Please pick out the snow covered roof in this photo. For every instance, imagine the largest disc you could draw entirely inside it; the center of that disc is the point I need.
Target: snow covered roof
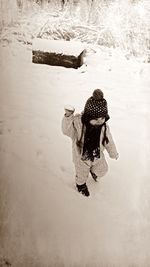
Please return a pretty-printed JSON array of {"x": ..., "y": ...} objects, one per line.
[{"x": 58, "y": 46}]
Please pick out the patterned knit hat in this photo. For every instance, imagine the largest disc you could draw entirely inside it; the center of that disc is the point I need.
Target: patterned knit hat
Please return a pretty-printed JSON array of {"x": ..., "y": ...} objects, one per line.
[{"x": 95, "y": 107}]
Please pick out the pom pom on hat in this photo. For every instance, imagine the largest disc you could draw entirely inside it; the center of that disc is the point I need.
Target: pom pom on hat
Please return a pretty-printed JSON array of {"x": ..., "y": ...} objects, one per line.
[{"x": 98, "y": 94}]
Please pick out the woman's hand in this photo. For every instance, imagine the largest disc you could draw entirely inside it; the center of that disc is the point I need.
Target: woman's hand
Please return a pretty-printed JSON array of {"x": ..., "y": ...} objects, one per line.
[
  {"x": 69, "y": 110},
  {"x": 117, "y": 156}
]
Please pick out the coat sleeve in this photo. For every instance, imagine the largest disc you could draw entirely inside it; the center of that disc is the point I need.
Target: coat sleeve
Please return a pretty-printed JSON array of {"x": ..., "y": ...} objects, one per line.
[
  {"x": 68, "y": 126},
  {"x": 111, "y": 147}
]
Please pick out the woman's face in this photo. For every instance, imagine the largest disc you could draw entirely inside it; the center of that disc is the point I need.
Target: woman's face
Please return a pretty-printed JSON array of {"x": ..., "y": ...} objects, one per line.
[{"x": 98, "y": 121}]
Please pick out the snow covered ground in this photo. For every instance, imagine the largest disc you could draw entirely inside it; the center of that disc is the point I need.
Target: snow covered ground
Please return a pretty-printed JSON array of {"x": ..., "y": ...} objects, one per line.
[{"x": 44, "y": 221}]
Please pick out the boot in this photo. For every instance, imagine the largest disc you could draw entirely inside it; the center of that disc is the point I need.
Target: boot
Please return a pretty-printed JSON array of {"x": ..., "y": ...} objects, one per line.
[{"x": 83, "y": 189}]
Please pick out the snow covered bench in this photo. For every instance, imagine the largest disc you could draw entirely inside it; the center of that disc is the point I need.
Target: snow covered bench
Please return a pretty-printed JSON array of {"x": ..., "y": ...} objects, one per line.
[{"x": 58, "y": 53}]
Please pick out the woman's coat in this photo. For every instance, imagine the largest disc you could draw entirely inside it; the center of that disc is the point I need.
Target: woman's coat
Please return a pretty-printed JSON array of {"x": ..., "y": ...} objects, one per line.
[{"x": 72, "y": 127}]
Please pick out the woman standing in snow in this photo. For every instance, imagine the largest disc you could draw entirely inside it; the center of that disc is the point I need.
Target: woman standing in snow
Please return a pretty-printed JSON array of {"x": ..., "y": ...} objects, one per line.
[{"x": 90, "y": 135}]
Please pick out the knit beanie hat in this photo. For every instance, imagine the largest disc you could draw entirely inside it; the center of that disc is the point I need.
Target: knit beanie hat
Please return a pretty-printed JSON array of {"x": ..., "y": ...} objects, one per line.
[{"x": 95, "y": 107}]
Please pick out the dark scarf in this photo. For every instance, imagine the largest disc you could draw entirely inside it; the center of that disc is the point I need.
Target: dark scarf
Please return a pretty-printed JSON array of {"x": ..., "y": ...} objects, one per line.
[{"x": 91, "y": 146}]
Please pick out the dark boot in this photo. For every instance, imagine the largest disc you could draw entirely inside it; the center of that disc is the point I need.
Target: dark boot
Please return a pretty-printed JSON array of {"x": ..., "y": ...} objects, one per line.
[
  {"x": 94, "y": 176},
  {"x": 83, "y": 189}
]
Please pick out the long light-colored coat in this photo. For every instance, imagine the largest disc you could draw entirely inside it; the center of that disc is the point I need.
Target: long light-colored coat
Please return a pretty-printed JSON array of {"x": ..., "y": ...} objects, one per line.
[{"x": 72, "y": 127}]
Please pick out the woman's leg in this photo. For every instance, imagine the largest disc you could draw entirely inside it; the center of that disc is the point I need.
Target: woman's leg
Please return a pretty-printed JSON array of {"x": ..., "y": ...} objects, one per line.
[
  {"x": 82, "y": 169},
  {"x": 99, "y": 167}
]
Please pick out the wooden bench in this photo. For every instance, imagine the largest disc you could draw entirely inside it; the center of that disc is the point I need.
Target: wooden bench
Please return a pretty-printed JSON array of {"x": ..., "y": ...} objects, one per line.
[{"x": 69, "y": 54}]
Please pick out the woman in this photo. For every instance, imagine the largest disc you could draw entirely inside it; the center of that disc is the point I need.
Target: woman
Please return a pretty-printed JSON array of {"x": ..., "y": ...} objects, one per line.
[{"x": 90, "y": 136}]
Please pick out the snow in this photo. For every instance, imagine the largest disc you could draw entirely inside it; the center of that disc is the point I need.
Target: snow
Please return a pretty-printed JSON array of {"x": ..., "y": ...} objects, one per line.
[
  {"x": 45, "y": 221},
  {"x": 58, "y": 46},
  {"x": 70, "y": 108}
]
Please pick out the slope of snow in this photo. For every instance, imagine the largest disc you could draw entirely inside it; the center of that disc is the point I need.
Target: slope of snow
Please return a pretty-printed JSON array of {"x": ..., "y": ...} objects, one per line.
[{"x": 45, "y": 221}]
